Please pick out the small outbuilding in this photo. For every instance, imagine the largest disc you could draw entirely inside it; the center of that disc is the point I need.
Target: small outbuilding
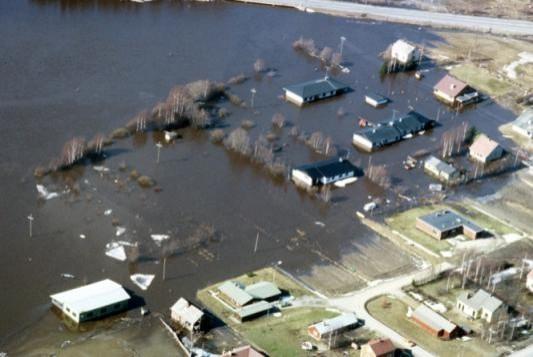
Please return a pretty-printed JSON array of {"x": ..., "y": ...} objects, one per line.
[
  {"x": 440, "y": 169},
  {"x": 376, "y": 100},
  {"x": 523, "y": 124},
  {"x": 263, "y": 290},
  {"x": 332, "y": 326},
  {"x": 405, "y": 52},
  {"x": 453, "y": 91},
  {"x": 382, "y": 347},
  {"x": 434, "y": 323},
  {"x": 255, "y": 310},
  {"x": 323, "y": 172},
  {"x": 187, "y": 315},
  {"x": 484, "y": 149},
  {"x": 234, "y": 293},
  {"x": 443, "y": 224},
  {"x": 93, "y": 301},
  {"x": 480, "y": 305},
  {"x": 311, "y": 91}
]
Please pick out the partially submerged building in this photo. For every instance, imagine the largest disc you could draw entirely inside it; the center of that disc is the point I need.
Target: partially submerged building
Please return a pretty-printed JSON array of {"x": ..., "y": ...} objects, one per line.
[
  {"x": 445, "y": 223},
  {"x": 480, "y": 305},
  {"x": 382, "y": 347},
  {"x": 93, "y": 301},
  {"x": 434, "y": 323},
  {"x": 405, "y": 53},
  {"x": 263, "y": 290},
  {"x": 484, "y": 149},
  {"x": 332, "y": 326},
  {"x": 382, "y": 134},
  {"x": 187, "y": 315},
  {"x": 323, "y": 172},
  {"x": 440, "y": 169},
  {"x": 523, "y": 125},
  {"x": 311, "y": 91},
  {"x": 376, "y": 100},
  {"x": 234, "y": 293},
  {"x": 453, "y": 91}
]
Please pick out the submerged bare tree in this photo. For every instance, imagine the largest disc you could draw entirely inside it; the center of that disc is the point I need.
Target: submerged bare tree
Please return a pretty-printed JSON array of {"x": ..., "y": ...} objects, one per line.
[
  {"x": 260, "y": 65},
  {"x": 239, "y": 141},
  {"x": 379, "y": 175},
  {"x": 73, "y": 150},
  {"x": 305, "y": 45},
  {"x": 278, "y": 120},
  {"x": 325, "y": 54}
]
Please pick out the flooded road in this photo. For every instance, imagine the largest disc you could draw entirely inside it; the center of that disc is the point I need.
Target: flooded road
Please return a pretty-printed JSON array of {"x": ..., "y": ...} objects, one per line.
[{"x": 77, "y": 68}]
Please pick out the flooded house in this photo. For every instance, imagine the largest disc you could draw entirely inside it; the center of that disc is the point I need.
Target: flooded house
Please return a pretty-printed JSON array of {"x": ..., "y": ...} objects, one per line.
[
  {"x": 434, "y": 323},
  {"x": 523, "y": 124},
  {"x": 323, "y": 172},
  {"x": 93, "y": 301},
  {"x": 480, "y": 305},
  {"x": 440, "y": 169},
  {"x": 376, "y": 100},
  {"x": 405, "y": 53},
  {"x": 311, "y": 91},
  {"x": 335, "y": 325},
  {"x": 453, "y": 91},
  {"x": 382, "y": 347},
  {"x": 484, "y": 149},
  {"x": 445, "y": 223},
  {"x": 392, "y": 131},
  {"x": 187, "y": 315}
]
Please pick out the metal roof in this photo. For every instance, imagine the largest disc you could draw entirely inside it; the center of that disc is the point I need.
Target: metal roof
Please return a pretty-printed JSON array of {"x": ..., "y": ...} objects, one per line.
[
  {"x": 480, "y": 300},
  {"x": 433, "y": 319},
  {"x": 445, "y": 220},
  {"x": 92, "y": 296},
  {"x": 316, "y": 87},
  {"x": 439, "y": 165},
  {"x": 235, "y": 292},
  {"x": 255, "y": 308},
  {"x": 327, "y": 168},
  {"x": 263, "y": 290},
  {"x": 336, "y": 323},
  {"x": 403, "y": 46},
  {"x": 187, "y": 311}
]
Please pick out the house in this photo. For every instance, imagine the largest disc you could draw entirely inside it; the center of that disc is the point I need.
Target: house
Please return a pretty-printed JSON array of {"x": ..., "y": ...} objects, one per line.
[
  {"x": 323, "y": 172},
  {"x": 244, "y": 351},
  {"x": 234, "y": 293},
  {"x": 311, "y": 91},
  {"x": 484, "y": 149},
  {"x": 382, "y": 347},
  {"x": 434, "y": 323},
  {"x": 440, "y": 169},
  {"x": 523, "y": 125},
  {"x": 452, "y": 91},
  {"x": 333, "y": 326},
  {"x": 404, "y": 52},
  {"x": 382, "y": 134},
  {"x": 187, "y": 315},
  {"x": 376, "y": 100},
  {"x": 252, "y": 311},
  {"x": 263, "y": 290},
  {"x": 479, "y": 305},
  {"x": 443, "y": 224},
  {"x": 92, "y": 301},
  {"x": 529, "y": 281}
]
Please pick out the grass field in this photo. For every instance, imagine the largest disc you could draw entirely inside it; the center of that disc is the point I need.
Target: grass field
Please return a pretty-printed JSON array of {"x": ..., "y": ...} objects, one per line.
[{"x": 394, "y": 316}]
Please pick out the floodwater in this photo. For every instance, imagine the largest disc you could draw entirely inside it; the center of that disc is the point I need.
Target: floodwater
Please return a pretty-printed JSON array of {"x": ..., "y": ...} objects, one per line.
[{"x": 77, "y": 68}]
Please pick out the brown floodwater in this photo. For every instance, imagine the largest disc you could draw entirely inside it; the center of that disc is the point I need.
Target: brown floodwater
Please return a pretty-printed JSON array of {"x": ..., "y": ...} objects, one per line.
[{"x": 77, "y": 68}]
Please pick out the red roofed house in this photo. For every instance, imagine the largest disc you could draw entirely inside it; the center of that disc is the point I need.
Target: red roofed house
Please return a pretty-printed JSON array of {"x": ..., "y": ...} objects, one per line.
[
  {"x": 453, "y": 91},
  {"x": 378, "y": 348},
  {"x": 485, "y": 149},
  {"x": 244, "y": 351}
]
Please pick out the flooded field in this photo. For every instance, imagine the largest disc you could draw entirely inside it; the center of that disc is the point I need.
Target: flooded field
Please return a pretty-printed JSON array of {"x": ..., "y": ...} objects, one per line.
[{"x": 77, "y": 68}]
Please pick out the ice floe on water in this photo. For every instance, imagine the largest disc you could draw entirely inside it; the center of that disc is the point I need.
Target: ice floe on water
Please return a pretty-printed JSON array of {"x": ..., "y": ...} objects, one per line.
[
  {"x": 117, "y": 251},
  {"x": 120, "y": 231},
  {"x": 158, "y": 238},
  {"x": 143, "y": 281},
  {"x": 45, "y": 194}
]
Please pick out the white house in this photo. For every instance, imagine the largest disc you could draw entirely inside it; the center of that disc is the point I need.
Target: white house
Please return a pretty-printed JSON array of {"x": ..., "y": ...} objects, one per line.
[
  {"x": 326, "y": 328},
  {"x": 187, "y": 315},
  {"x": 523, "y": 125},
  {"x": 479, "y": 305},
  {"x": 484, "y": 149},
  {"x": 439, "y": 169},
  {"x": 404, "y": 52},
  {"x": 92, "y": 301}
]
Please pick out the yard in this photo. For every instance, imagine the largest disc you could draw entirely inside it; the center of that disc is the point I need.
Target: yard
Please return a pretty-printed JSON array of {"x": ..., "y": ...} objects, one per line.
[{"x": 392, "y": 312}]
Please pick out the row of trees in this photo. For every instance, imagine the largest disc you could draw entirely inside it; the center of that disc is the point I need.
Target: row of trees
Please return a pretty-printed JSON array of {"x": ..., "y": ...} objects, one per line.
[{"x": 326, "y": 55}]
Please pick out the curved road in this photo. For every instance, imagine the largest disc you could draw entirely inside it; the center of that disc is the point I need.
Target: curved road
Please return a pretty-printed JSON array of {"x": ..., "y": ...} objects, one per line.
[{"x": 420, "y": 17}]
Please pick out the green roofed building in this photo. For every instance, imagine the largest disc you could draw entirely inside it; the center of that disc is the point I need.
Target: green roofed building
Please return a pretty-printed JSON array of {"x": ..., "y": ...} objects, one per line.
[
  {"x": 314, "y": 90},
  {"x": 234, "y": 293},
  {"x": 254, "y": 310},
  {"x": 263, "y": 290}
]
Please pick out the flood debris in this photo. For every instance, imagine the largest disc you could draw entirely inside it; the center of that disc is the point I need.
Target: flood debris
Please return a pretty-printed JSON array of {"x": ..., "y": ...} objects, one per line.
[
  {"x": 45, "y": 194},
  {"x": 120, "y": 231},
  {"x": 320, "y": 224},
  {"x": 116, "y": 251},
  {"x": 82, "y": 236},
  {"x": 143, "y": 281},
  {"x": 67, "y": 276},
  {"x": 145, "y": 181},
  {"x": 158, "y": 238},
  {"x": 370, "y": 206},
  {"x": 170, "y": 135},
  {"x": 101, "y": 169},
  {"x": 108, "y": 212}
]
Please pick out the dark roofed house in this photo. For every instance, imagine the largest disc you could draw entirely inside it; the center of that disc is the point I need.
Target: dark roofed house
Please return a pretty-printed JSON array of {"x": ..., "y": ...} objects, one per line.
[
  {"x": 314, "y": 90},
  {"x": 454, "y": 91},
  {"x": 323, "y": 172},
  {"x": 390, "y": 132},
  {"x": 434, "y": 323},
  {"x": 445, "y": 223}
]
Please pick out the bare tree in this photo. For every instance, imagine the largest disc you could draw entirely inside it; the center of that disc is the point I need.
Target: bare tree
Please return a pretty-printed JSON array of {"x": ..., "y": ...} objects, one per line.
[
  {"x": 73, "y": 150},
  {"x": 325, "y": 54},
  {"x": 379, "y": 175},
  {"x": 239, "y": 141},
  {"x": 336, "y": 59},
  {"x": 259, "y": 65},
  {"x": 278, "y": 120},
  {"x": 305, "y": 45}
]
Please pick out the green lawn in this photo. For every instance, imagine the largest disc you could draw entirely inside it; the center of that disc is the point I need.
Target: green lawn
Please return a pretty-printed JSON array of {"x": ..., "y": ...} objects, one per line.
[
  {"x": 482, "y": 79},
  {"x": 482, "y": 220},
  {"x": 394, "y": 316}
]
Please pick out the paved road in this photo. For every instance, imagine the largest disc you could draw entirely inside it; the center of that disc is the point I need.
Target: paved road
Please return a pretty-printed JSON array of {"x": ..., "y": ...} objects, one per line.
[{"x": 437, "y": 19}]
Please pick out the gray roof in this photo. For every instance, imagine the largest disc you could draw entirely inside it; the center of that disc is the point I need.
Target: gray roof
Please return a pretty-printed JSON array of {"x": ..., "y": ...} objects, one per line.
[
  {"x": 433, "y": 319},
  {"x": 336, "y": 323},
  {"x": 263, "y": 290},
  {"x": 255, "y": 308},
  {"x": 440, "y": 165},
  {"x": 235, "y": 292},
  {"x": 525, "y": 120},
  {"x": 480, "y": 300},
  {"x": 445, "y": 220},
  {"x": 316, "y": 87}
]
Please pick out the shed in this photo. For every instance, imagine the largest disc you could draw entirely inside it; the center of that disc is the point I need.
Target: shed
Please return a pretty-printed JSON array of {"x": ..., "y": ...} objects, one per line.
[
  {"x": 254, "y": 310},
  {"x": 454, "y": 91},
  {"x": 445, "y": 223},
  {"x": 382, "y": 347},
  {"x": 92, "y": 301},
  {"x": 376, "y": 100},
  {"x": 235, "y": 294},
  {"x": 332, "y": 326},
  {"x": 434, "y": 323},
  {"x": 263, "y": 290},
  {"x": 484, "y": 149},
  {"x": 323, "y": 172},
  {"x": 187, "y": 315},
  {"x": 479, "y": 305},
  {"x": 440, "y": 169},
  {"x": 404, "y": 52},
  {"x": 311, "y": 91}
]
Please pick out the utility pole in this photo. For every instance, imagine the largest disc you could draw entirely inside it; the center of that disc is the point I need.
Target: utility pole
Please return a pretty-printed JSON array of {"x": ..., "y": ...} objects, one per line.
[
  {"x": 342, "y": 43},
  {"x": 253, "y": 91},
  {"x": 158, "y": 145},
  {"x": 164, "y": 268},
  {"x": 256, "y": 242},
  {"x": 30, "y": 221}
]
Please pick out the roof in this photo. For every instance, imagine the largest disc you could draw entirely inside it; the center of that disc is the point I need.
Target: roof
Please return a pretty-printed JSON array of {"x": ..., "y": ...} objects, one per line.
[
  {"x": 336, "y": 323},
  {"x": 263, "y": 290},
  {"x": 451, "y": 86},
  {"x": 255, "y": 308},
  {"x": 327, "y": 168},
  {"x": 525, "y": 120},
  {"x": 316, "y": 87},
  {"x": 235, "y": 292},
  {"x": 483, "y": 146},
  {"x": 244, "y": 351},
  {"x": 480, "y": 300},
  {"x": 187, "y": 311},
  {"x": 93, "y": 296},
  {"x": 445, "y": 220},
  {"x": 403, "y": 46},
  {"x": 433, "y": 319},
  {"x": 439, "y": 165},
  {"x": 381, "y": 346}
]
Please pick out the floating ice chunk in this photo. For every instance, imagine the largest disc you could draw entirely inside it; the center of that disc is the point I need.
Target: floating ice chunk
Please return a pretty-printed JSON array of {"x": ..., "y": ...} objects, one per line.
[
  {"x": 143, "y": 281},
  {"x": 67, "y": 275},
  {"x": 82, "y": 236},
  {"x": 107, "y": 212},
  {"x": 170, "y": 135},
  {"x": 369, "y": 206},
  {"x": 347, "y": 181},
  {"x": 44, "y": 193},
  {"x": 116, "y": 251},
  {"x": 101, "y": 169},
  {"x": 320, "y": 224},
  {"x": 158, "y": 238},
  {"x": 120, "y": 231}
]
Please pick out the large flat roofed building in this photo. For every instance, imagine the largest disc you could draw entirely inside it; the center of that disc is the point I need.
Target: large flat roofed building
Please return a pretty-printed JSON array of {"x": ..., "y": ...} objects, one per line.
[
  {"x": 314, "y": 90},
  {"x": 434, "y": 323},
  {"x": 92, "y": 301},
  {"x": 323, "y": 172},
  {"x": 445, "y": 223}
]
